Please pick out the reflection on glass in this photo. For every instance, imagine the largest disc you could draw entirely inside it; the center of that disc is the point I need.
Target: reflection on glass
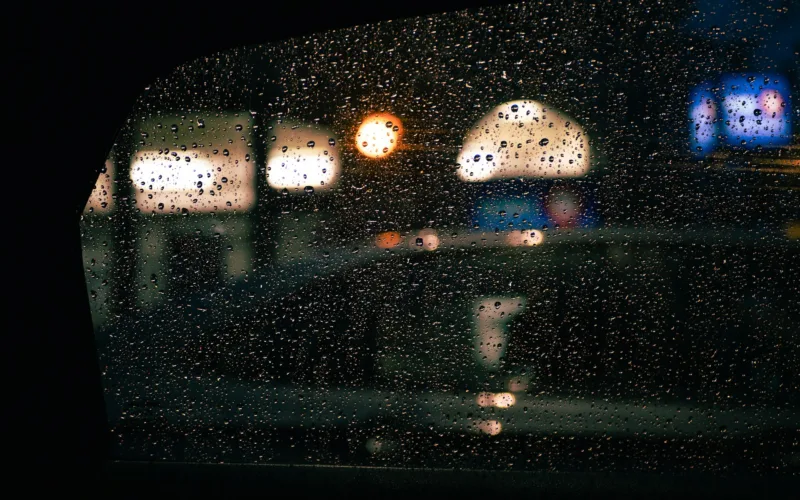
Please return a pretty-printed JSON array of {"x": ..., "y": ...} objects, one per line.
[
  {"x": 492, "y": 315},
  {"x": 302, "y": 155},
  {"x": 524, "y": 139}
]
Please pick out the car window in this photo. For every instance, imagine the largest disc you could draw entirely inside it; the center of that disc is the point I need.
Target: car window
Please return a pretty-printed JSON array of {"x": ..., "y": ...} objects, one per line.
[{"x": 528, "y": 237}]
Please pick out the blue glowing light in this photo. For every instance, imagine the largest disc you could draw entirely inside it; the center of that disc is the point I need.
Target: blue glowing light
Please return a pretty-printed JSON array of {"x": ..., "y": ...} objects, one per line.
[
  {"x": 535, "y": 207},
  {"x": 742, "y": 112}
]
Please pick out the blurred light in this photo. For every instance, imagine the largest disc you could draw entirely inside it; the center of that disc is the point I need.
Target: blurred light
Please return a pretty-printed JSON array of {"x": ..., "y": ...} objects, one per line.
[
  {"x": 518, "y": 384},
  {"x": 102, "y": 198},
  {"x": 172, "y": 173},
  {"x": 563, "y": 205},
  {"x": 302, "y": 155},
  {"x": 756, "y": 110},
  {"x": 703, "y": 119},
  {"x": 426, "y": 239},
  {"x": 379, "y": 135},
  {"x": 211, "y": 169},
  {"x": 520, "y": 207},
  {"x": 504, "y": 400},
  {"x": 388, "y": 239},
  {"x": 492, "y": 315},
  {"x": 524, "y": 139},
  {"x": 742, "y": 111},
  {"x": 485, "y": 399},
  {"x": 498, "y": 400},
  {"x": 525, "y": 237},
  {"x": 490, "y": 427}
]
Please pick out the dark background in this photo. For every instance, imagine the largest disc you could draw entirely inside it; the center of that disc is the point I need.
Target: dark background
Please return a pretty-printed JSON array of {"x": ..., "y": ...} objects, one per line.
[{"x": 75, "y": 73}]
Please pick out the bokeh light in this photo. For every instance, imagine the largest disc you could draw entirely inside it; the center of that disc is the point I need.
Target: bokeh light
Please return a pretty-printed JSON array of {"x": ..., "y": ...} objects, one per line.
[
  {"x": 378, "y": 135},
  {"x": 302, "y": 156},
  {"x": 524, "y": 139}
]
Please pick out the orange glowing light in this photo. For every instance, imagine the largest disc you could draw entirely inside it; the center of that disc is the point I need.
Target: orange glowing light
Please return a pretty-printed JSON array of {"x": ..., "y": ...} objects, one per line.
[
  {"x": 389, "y": 239},
  {"x": 378, "y": 135}
]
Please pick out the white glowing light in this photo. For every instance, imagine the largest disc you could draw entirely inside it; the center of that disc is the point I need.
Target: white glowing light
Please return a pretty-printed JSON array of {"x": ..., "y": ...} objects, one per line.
[
  {"x": 301, "y": 156},
  {"x": 524, "y": 139},
  {"x": 498, "y": 400},
  {"x": 172, "y": 173},
  {"x": 525, "y": 237},
  {"x": 379, "y": 135},
  {"x": 209, "y": 170},
  {"x": 504, "y": 400},
  {"x": 427, "y": 239}
]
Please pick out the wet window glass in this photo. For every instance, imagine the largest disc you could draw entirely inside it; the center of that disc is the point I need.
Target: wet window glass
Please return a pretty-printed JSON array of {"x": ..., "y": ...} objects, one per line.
[{"x": 529, "y": 237}]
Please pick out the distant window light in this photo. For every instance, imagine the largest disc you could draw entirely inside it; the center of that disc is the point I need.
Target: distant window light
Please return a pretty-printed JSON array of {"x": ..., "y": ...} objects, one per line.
[
  {"x": 210, "y": 170},
  {"x": 524, "y": 139},
  {"x": 301, "y": 156},
  {"x": 742, "y": 112}
]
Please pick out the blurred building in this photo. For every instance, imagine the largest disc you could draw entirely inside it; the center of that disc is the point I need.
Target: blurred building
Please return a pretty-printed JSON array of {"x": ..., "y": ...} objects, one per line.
[{"x": 193, "y": 180}]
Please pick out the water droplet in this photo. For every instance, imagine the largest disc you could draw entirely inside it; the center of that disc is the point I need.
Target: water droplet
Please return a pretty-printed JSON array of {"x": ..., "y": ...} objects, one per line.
[
  {"x": 311, "y": 144},
  {"x": 544, "y": 142},
  {"x": 514, "y": 108}
]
